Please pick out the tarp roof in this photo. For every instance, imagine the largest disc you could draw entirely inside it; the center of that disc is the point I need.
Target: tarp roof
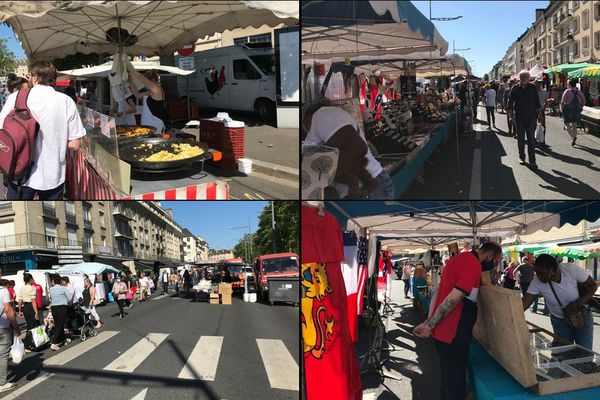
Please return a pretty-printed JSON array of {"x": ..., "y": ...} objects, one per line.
[
  {"x": 48, "y": 29},
  {"x": 453, "y": 64},
  {"x": 377, "y": 29},
  {"x": 102, "y": 71},
  {"x": 448, "y": 218}
]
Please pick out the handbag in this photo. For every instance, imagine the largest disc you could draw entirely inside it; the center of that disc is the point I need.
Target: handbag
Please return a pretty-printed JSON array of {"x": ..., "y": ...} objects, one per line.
[
  {"x": 539, "y": 133},
  {"x": 39, "y": 337},
  {"x": 575, "y": 319},
  {"x": 17, "y": 350},
  {"x": 129, "y": 296}
]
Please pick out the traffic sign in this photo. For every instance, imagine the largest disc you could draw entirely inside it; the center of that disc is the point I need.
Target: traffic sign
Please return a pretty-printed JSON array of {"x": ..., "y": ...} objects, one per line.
[
  {"x": 187, "y": 50},
  {"x": 186, "y": 63}
]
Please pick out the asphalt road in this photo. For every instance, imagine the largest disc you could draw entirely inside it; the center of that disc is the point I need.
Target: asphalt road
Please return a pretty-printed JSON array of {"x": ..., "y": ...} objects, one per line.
[
  {"x": 487, "y": 166},
  {"x": 172, "y": 349}
]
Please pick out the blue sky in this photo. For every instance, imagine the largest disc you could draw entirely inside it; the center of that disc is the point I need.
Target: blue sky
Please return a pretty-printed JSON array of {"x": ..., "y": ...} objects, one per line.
[
  {"x": 487, "y": 27},
  {"x": 210, "y": 219},
  {"x": 13, "y": 44}
]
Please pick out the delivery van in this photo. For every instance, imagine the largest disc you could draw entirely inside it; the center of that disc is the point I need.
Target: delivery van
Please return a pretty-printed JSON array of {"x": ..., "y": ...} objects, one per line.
[
  {"x": 40, "y": 276},
  {"x": 273, "y": 265},
  {"x": 237, "y": 78}
]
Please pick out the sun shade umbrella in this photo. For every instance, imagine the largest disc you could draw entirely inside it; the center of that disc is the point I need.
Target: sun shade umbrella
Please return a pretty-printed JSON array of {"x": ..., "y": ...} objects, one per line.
[
  {"x": 49, "y": 29},
  {"x": 586, "y": 72},
  {"x": 86, "y": 268},
  {"x": 102, "y": 71},
  {"x": 378, "y": 29}
]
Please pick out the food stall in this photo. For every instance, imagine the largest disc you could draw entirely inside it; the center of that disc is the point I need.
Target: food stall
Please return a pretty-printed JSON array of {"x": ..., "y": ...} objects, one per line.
[{"x": 590, "y": 115}]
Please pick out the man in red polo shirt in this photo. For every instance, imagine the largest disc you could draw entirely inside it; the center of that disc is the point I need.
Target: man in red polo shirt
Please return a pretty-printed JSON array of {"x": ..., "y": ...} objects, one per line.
[
  {"x": 454, "y": 313},
  {"x": 38, "y": 300}
]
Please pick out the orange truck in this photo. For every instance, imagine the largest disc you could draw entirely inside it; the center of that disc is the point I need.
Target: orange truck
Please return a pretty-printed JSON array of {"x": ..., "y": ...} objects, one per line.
[{"x": 274, "y": 266}]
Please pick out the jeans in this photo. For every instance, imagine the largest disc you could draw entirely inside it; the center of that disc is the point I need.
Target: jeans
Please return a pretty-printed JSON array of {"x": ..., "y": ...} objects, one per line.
[
  {"x": 385, "y": 191},
  {"x": 524, "y": 287},
  {"x": 120, "y": 303},
  {"x": 526, "y": 128},
  {"x": 583, "y": 337},
  {"x": 165, "y": 287},
  {"x": 6, "y": 339},
  {"x": 28, "y": 193},
  {"x": 490, "y": 112},
  {"x": 454, "y": 357},
  {"x": 406, "y": 286},
  {"x": 92, "y": 311}
]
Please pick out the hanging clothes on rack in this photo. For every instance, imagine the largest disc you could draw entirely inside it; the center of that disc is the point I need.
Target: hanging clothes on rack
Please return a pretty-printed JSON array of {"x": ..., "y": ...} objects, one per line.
[{"x": 330, "y": 362}]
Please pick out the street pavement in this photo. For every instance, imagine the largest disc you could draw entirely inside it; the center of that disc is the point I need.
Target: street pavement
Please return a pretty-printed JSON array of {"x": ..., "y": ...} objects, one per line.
[
  {"x": 171, "y": 348},
  {"x": 488, "y": 166},
  {"x": 415, "y": 360}
]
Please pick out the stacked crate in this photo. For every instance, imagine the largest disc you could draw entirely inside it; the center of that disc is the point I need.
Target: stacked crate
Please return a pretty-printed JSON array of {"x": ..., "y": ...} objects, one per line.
[{"x": 226, "y": 137}]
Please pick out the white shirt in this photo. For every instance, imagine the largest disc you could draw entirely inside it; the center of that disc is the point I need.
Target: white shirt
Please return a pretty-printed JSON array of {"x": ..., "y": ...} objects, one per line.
[
  {"x": 144, "y": 282},
  {"x": 566, "y": 290},
  {"x": 327, "y": 121},
  {"x": 543, "y": 95},
  {"x": 490, "y": 98},
  {"x": 4, "y": 298},
  {"x": 71, "y": 290},
  {"x": 59, "y": 121},
  {"x": 165, "y": 278}
]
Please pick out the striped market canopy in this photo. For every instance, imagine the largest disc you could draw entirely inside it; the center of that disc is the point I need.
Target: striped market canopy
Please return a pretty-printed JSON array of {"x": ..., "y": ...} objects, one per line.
[{"x": 587, "y": 72}]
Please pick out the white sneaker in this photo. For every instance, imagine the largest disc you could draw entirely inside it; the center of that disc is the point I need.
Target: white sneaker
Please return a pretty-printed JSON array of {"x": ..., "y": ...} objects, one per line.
[{"x": 7, "y": 386}]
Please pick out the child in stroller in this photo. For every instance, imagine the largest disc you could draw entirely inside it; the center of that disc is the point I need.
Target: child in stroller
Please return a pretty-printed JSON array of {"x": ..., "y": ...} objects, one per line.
[{"x": 79, "y": 323}]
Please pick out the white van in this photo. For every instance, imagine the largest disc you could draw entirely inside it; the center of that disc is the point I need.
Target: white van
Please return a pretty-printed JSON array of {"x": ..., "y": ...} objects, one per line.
[
  {"x": 40, "y": 276},
  {"x": 233, "y": 78}
]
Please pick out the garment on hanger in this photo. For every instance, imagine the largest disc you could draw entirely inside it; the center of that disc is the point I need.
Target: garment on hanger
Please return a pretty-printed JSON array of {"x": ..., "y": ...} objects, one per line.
[
  {"x": 330, "y": 362},
  {"x": 350, "y": 274}
]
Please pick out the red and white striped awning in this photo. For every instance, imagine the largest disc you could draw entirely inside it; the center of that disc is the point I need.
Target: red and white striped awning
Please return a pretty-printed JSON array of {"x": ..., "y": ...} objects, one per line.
[{"x": 203, "y": 191}]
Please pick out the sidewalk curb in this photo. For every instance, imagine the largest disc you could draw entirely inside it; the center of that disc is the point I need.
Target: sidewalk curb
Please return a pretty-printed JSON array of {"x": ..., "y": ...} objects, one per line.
[{"x": 278, "y": 171}]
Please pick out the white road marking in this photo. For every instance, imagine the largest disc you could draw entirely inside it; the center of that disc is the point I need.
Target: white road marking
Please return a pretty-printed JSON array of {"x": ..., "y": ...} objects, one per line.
[
  {"x": 75, "y": 351},
  {"x": 133, "y": 357},
  {"x": 141, "y": 395},
  {"x": 202, "y": 363},
  {"x": 282, "y": 369},
  {"x": 162, "y": 296},
  {"x": 62, "y": 358},
  {"x": 475, "y": 192},
  {"x": 370, "y": 396}
]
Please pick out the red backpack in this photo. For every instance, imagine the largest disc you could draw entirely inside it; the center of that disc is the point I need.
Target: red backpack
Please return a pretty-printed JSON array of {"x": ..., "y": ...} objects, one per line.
[{"x": 17, "y": 140}]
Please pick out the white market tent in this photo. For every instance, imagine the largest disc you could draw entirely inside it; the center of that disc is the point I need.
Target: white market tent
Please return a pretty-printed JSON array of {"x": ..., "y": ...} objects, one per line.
[
  {"x": 451, "y": 65},
  {"x": 403, "y": 220},
  {"x": 374, "y": 29},
  {"x": 48, "y": 29},
  {"x": 102, "y": 71}
]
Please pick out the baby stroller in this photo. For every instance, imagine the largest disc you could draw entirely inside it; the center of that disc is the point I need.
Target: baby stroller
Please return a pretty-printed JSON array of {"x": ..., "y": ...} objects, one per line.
[{"x": 80, "y": 323}]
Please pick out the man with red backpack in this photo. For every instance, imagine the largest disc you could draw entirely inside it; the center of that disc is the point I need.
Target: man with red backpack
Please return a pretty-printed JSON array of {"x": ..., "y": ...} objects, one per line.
[{"x": 38, "y": 125}]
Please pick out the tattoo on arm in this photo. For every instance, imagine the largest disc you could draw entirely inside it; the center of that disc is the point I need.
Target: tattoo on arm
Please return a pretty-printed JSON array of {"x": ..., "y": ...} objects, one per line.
[{"x": 442, "y": 311}]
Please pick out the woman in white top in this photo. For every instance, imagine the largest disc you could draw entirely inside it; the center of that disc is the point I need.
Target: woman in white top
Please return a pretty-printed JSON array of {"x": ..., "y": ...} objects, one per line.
[
  {"x": 153, "y": 107},
  {"x": 563, "y": 279},
  {"x": 490, "y": 104}
]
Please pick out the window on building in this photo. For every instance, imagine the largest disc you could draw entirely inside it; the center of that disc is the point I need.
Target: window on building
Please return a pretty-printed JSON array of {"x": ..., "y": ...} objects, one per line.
[
  {"x": 86, "y": 213},
  {"x": 101, "y": 217},
  {"x": 576, "y": 49},
  {"x": 50, "y": 233},
  {"x": 103, "y": 240},
  {"x": 70, "y": 207},
  {"x": 242, "y": 69},
  {"x": 585, "y": 42},
  {"x": 262, "y": 38},
  {"x": 597, "y": 40},
  {"x": 585, "y": 19},
  {"x": 597, "y": 10},
  {"x": 574, "y": 4},
  {"x": 72, "y": 236},
  {"x": 88, "y": 240}
]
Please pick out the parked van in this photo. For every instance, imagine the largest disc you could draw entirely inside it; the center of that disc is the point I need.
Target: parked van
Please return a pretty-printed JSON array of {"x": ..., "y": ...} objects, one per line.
[
  {"x": 233, "y": 78},
  {"x": 40, "y": 276},
  {"x": 274, "y": 265}
]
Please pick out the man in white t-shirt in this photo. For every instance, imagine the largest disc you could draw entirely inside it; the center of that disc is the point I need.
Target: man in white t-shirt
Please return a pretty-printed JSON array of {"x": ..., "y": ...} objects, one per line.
[
  {"x": 165, "y": 281},
  {"x": 335, "y": 127},
  {"x": 7, "y": 320},
  {"x": 143, "y": 287},
  {"x": 558, "y": 284},
  {"x": 60, "y": 130}
]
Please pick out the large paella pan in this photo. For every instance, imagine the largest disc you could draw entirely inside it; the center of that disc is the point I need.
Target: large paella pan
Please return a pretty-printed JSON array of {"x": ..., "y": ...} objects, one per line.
[{"x": 162, "y": 154}]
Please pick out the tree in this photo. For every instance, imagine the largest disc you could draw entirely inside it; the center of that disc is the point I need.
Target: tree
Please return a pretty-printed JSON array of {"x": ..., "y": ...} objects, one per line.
[
  {"x": 244, "y": 248},
  {"x": 287, "y": 238},
  {"x": 7, "y": 59},
  {"x": 486, "y": 77}
]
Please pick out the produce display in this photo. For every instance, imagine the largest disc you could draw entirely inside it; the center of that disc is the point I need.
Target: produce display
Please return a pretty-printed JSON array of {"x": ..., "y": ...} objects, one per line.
[
  {"x": 586, "y": 367},
  {"x": 133, "y": 131},
  {"x": 180, "y": 151}
]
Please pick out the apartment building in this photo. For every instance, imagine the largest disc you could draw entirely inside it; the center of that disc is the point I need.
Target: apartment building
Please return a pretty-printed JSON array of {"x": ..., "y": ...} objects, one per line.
[
  {"x": 219, "y": 254},
  {"x": 203, "y": 248},
  {"x": 250, "y": 34},
  {"x": 32, "y": 232}
]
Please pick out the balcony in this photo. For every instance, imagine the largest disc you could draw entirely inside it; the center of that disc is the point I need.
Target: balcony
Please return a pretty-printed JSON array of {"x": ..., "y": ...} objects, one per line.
[
  {"x": 123, "y": 232},
  {"x": 6, "y": 208},
  {"x": 121, "y": 211},
  {"x": 559, "y": 20},
  {"x": 71, "y": 219},
  {"x": 48, "y": 210},
  {"x": 87, "y": 224},
  {"x": 564, "y": 39}
]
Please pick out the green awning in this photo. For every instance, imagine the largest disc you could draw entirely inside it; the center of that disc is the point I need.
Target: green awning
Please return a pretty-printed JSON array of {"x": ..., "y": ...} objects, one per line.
[
  {"x": 572, "y": 252},
  {"x": 592, "y": 71},
  {"x": 526, "y": 248},
  {"x": 566, "y": 68}
]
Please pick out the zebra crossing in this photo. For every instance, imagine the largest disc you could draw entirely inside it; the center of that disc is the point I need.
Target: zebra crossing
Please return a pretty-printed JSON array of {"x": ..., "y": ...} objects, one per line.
[{"x": 280, "y": 368}]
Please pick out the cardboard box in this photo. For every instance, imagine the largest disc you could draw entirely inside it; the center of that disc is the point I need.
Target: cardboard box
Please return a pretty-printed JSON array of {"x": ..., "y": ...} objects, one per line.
[
  {"x": 225, "y": 288},
  {"x": 214, "y": 298},
  {"x": 225, "y": 298}
]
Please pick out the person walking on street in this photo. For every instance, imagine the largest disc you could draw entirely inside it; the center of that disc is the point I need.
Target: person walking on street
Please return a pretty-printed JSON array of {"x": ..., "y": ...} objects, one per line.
[
  {"x": 165, "y": 282},
  {"x": 525, "y": 271},
  {"x": 453, "y": 314},
  {"x": 59, "y": 301},
  {"x": 524, "y": 104},
  {"x": 39, "y": 294},
  {"x": 406, "y": 278},
  {"x": 509, "y": 121},
  {"x": 571, "y": 105},
  {"x": 28, "y": 306},
  {"x": 8, "y": 320},
  {"x": 509, "y": 276},
  {"x": 143, "y": 287},
  {"x": 543, "y": 95},
  {"x": 490, "y": 105},
  {"x": 89, "y": 296},
  {"x": 119, "y": 291}
]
